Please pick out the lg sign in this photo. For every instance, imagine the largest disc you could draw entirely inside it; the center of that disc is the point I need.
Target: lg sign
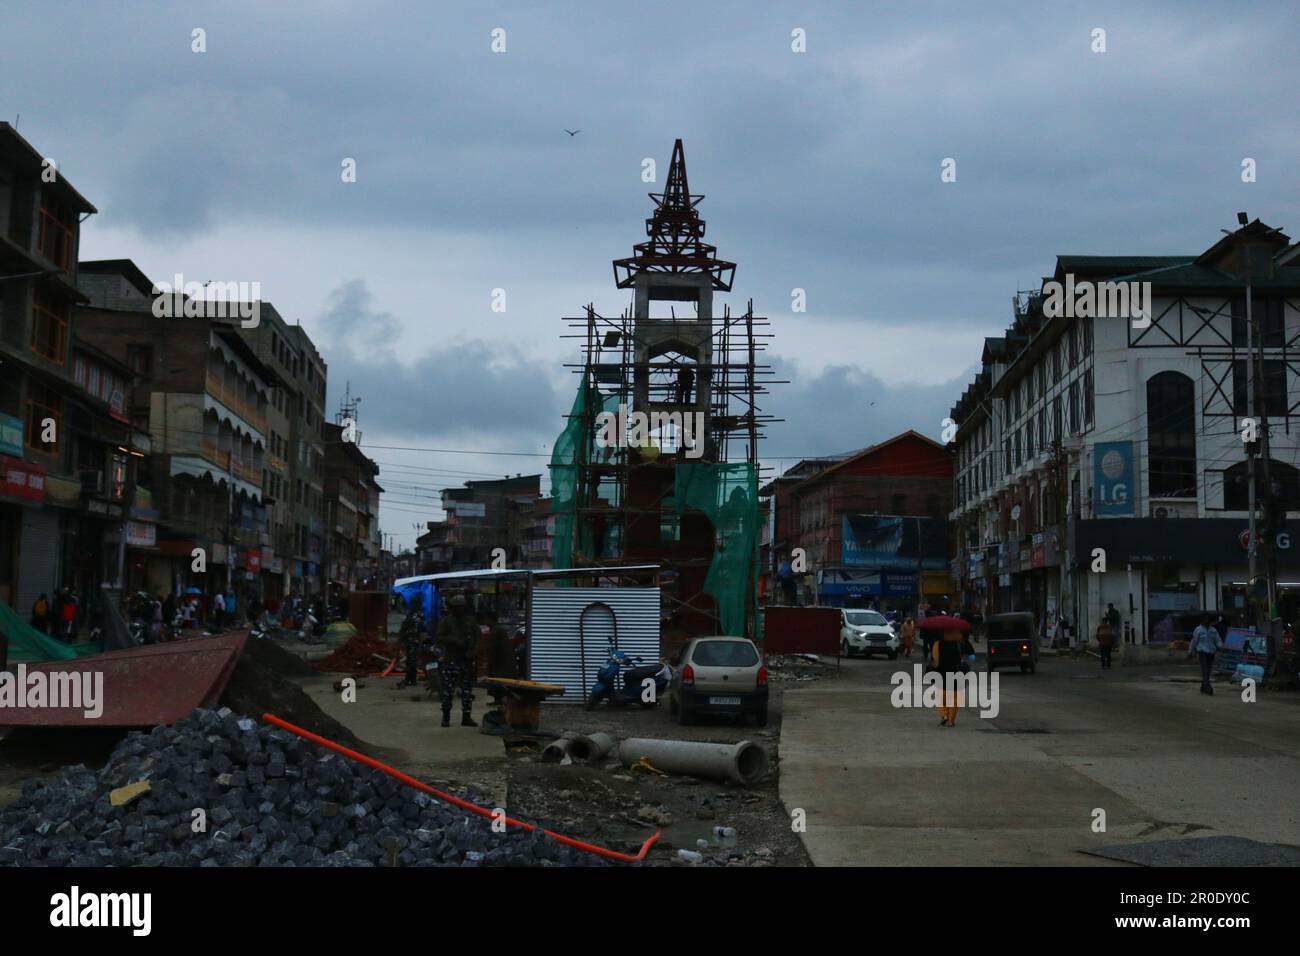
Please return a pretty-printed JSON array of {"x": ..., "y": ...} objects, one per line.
[{"x": 1282, "y": 542}]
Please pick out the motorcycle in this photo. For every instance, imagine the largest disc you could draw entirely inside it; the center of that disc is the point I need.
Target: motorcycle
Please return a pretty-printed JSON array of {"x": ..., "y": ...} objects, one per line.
[
  {"x": 312, "y": 630},
  {"x": 622, "y": 681}
]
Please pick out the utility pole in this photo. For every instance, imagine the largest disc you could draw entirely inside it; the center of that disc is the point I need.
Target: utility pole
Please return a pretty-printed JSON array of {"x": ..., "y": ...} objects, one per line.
[{"x": 1254, "y": 257}]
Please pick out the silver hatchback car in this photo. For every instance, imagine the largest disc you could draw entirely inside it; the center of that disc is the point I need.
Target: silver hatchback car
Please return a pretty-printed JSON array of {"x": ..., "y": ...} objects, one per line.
[{"x": 719, "y": 675}]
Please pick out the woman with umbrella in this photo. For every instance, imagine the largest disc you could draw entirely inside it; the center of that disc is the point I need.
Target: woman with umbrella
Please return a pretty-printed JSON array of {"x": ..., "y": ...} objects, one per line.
[{"x": 946, "y": 655}]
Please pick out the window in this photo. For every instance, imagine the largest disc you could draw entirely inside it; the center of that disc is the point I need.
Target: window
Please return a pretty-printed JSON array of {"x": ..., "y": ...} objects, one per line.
[
  {"x": 1271, "y": 392},
  {"x": 1056, "y": 365},
  {"x": 1267, "y": 312},
  {"x": 42, "y": 403},
  {"x": 1087, "y": 336},
  {"x": 1017, "y": 448},
  {"x": 1087, "y": 399},
  {"x": 1006, "y": 456},
  {"x": 57, "y": 229},
  {"x": 1029, "y": 441},
  {"x": 1074, "y": 345},
  {"x": 49, "y": 326},
  {"x": 1042, "y": 427},
  {"x": 140, "y": 358},
  {"x": 1057, "y": 434},
  {"x": 1284, "y": 478},
  {"x": 1171, "y": 435},
  {"x": 1074, "y": 408}
]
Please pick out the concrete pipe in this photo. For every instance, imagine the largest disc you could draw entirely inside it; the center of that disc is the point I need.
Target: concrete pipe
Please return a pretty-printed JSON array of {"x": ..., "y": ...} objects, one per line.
[
  {"x": 559, "y": 748},
  {"x": 744, "y": 763},
  {"x": 589, "y": 748}
]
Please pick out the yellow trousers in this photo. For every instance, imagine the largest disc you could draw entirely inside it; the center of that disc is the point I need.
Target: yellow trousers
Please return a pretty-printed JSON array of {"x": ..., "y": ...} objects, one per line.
[{"x": 949, "y": 709}]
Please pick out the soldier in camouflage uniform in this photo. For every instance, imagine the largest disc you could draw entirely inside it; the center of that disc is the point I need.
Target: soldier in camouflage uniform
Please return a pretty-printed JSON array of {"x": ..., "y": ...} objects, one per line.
[
  {"x": 457, "y": 638},
  {"x": 412, "y": 629}
]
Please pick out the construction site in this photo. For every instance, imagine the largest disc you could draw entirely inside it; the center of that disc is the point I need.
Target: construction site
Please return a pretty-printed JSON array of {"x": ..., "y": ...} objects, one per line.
[{"x": 297, "y": 750}]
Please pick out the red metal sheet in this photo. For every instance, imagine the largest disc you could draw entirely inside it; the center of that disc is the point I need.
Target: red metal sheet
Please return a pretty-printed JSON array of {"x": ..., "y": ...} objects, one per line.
[
  {"x": 141, "y": 686},
  {"x": 801, "y": 630}
]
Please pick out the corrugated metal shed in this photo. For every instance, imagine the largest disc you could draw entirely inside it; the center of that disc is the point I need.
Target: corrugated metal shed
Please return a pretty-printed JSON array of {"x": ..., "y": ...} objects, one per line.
[{"x": 628, "y": 616}]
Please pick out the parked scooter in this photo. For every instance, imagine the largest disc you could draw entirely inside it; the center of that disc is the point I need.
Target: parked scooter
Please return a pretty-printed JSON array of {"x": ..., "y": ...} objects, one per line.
[{"x": 622, "y": 681}]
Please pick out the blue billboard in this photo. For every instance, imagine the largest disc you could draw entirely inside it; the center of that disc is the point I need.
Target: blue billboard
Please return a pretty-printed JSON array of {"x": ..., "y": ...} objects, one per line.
[
  {"x": 894, "y": 543},
  {"x": 1113, "y": 480}
]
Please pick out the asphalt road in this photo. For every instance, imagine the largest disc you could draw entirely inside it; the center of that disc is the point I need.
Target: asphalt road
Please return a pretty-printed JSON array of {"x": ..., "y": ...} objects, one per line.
[{"x": 886, "y": 786}]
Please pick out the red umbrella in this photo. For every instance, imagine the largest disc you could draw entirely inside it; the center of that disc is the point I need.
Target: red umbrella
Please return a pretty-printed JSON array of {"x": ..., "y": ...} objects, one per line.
[{"x": 942, "y": 622}]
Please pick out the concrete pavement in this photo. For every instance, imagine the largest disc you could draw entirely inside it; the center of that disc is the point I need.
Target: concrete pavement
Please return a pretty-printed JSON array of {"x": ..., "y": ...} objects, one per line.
[{"x": 885, "y": 786}]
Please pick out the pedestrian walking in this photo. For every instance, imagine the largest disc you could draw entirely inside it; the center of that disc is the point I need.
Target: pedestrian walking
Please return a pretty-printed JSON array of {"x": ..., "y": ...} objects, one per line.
[
  {"x": 1113, "y": 619},
  {"x": 219, "y": 609},
  {"x": 1105, "y": 642},
  {"x": 907, "y": 635},
  {"x": 68, "y": 617},
  {"x": 41, "y": 614},
  {"x": 1205, "y": 643},
  {"x": 946, "y": 655}
]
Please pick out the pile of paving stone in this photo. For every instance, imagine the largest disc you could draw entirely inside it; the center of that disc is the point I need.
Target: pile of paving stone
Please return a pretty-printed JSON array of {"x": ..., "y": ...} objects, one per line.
[{"x": 268, "y": 798}]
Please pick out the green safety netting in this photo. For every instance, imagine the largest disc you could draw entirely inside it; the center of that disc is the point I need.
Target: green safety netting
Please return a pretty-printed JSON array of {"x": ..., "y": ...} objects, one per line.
[
  {"x": 564, "y": 481},
  {"x": 726, "y": 494},
  {"x": 28, "y": 645},
  {"x": 728, "y": 497}
]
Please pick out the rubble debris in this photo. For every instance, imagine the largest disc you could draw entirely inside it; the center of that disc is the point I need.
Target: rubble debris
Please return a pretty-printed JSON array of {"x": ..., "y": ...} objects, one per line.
[
  {"x": 269, "y": 798},
  {"x": 356, "y": 655},
  {"x": 794, "y": 668}
]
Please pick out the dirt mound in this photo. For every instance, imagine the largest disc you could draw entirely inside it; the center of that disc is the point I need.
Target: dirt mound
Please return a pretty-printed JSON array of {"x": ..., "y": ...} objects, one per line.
[
  {"x": 259, "y": 687},
  {"x": 273, "y": 657},
  {"x": 356, "y": 656}
]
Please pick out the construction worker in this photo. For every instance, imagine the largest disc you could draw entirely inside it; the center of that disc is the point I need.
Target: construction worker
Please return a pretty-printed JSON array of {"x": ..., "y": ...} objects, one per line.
[
  {"x": 412, "y": 629},
  {"x": 457, "y": 639}
]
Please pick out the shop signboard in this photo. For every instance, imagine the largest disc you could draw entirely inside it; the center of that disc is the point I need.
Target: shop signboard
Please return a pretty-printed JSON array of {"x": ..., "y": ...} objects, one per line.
[
  {"x": 11, "y": 436},
  {"x": 18, "y": 479},
  {"x": 1113, "y": 478}
]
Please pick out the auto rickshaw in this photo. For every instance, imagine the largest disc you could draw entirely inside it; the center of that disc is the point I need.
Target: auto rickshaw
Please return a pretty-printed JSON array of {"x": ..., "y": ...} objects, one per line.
[{"x": 1012, "y": 640}]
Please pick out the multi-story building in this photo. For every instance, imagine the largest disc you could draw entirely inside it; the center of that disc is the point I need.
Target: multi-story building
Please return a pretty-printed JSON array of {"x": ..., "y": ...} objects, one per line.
[
  {"x": 778, "y": 581},
  {"x": 350, "y": 488},
  {"x": 484, "y": 516},
  {"x": 539, "y": 535},
  {"x": 305, "y": 408},
  {"x": 295, "y": 454},
  {"x": 67, "y": 451},
  {"x": 203, "y": 396},
  {"x": 1100, "y": 457},
  {"x": 870, "y": 528}
]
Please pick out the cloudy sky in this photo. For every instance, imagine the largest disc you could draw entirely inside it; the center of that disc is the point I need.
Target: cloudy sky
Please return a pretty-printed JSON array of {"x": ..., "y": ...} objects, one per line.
[{"x": 821, "y": 171}]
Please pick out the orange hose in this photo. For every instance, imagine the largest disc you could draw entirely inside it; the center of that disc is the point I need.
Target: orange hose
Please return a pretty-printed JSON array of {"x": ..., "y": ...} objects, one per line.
[{"x": 457, "y": 801}]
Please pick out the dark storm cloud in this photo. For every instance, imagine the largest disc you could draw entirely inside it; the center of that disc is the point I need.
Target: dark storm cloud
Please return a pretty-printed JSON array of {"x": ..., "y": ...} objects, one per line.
[
  {"x": 843, "y": 407},
  {"x": 461, "y": 391},
  {"x": 821, "y": 169}
]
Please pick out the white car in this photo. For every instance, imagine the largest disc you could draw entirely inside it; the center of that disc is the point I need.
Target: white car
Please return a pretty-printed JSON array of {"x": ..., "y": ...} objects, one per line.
[{"x": 866, "y": 632}]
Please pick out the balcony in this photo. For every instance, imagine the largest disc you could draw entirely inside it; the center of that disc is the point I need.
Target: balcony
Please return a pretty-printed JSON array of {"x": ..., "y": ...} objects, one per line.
[
  {"x": 241, "y": 468},
  {"x": 233, "y": 400}
]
